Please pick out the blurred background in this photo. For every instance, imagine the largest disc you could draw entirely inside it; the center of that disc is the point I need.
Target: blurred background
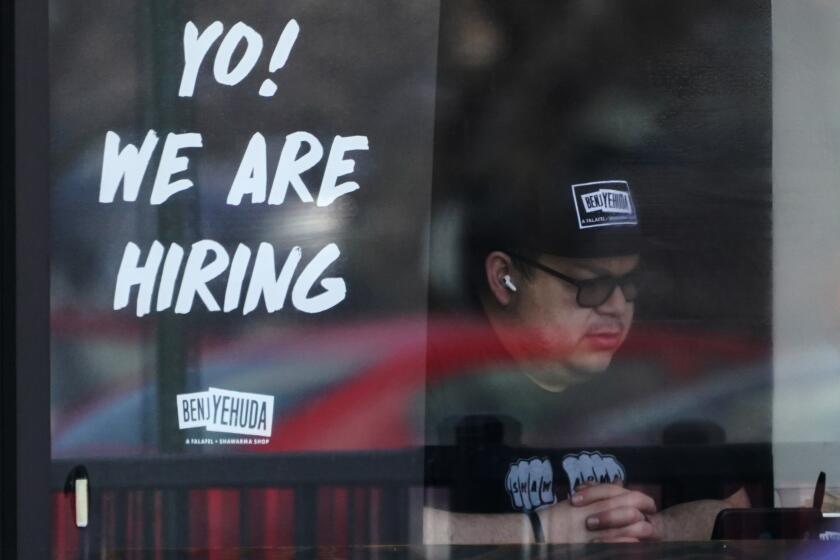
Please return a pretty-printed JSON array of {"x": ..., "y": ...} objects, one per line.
[{"x": 806, "y": 268}]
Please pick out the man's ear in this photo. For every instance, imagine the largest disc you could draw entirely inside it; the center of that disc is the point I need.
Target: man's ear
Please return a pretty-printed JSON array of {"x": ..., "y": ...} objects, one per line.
[{"x": 496, "y": 266}]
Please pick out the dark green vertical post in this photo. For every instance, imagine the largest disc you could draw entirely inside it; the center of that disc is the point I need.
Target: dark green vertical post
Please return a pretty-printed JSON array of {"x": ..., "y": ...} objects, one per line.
[
  {"x": 177, "y": 218},
  {"x": 177, "y": 221}
]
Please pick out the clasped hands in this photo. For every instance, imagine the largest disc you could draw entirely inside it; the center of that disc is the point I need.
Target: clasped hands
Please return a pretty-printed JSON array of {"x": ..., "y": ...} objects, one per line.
[{"x": 602, "y": 513}]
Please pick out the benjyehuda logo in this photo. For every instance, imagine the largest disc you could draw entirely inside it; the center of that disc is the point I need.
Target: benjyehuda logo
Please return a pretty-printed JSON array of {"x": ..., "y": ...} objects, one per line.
[
  {"x": 604, "y": 203},
  {"x": 231, "y": 412}
]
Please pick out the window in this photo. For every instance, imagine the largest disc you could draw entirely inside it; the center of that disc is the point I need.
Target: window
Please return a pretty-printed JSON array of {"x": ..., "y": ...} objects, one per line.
[{"x": 437, "y": 272}]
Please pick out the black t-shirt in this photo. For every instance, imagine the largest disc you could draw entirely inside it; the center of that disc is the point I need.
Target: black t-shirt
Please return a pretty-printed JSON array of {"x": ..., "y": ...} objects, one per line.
[
  {"x": 498, "y": 442},
  {"x": 507, "y": 450}
]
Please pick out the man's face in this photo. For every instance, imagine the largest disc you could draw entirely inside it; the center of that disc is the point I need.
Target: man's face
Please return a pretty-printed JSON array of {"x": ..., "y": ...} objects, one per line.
[{"x": 546, "y": 307}]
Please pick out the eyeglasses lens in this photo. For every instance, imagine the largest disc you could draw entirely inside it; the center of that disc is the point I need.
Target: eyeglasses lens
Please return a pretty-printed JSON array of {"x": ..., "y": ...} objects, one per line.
[
  {"x": 595, "y": 292},
  {"x": 629, "y": 288}
]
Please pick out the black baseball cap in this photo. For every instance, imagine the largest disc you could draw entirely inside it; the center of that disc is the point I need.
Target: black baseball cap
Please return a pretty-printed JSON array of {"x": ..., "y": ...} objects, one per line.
[
  {"x": 589, "y": 218},
  {"x": 585, "y": 217}
]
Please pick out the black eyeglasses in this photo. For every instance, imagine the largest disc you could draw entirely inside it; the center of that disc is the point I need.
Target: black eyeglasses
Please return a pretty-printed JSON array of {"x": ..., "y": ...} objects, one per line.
[{"x": 592, "y": 292}]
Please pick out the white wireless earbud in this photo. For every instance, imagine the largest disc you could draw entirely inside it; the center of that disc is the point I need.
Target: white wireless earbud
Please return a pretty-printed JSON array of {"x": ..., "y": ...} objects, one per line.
[{"x": 508, "y": 283}]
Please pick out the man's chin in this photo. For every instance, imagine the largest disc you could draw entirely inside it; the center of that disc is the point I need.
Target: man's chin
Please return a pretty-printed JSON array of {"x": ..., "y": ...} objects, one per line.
[
  {"x": 556, "y": 376},
  {"x": 590, "y": 364}
]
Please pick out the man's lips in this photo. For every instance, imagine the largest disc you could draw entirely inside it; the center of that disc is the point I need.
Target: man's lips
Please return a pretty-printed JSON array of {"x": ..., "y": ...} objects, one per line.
[{"x": 604, "y": 339}]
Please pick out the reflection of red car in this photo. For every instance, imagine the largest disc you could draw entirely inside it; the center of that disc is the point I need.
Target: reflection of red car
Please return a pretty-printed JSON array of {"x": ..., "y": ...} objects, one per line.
[
  {"x": 354, "y": 386},
  {"x": 368, "y": 395},
  {"x": 382, "y": 408}
]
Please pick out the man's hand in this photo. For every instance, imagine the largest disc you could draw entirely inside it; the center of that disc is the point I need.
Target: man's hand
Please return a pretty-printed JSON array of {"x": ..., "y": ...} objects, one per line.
[
  {"x": 601, "y": 513},
  {"x": 694, "y": 521},
  {"x": 620, "y": 517}
]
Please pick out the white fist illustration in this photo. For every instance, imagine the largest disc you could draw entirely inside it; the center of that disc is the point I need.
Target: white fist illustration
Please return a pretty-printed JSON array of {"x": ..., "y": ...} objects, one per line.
[
  {"x": 530, "y": 484},
  {"x": 591, "y": 468}
]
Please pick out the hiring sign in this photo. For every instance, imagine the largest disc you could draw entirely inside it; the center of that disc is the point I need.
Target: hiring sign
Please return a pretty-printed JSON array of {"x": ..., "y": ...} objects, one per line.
[{"x": 154, "y": 269}]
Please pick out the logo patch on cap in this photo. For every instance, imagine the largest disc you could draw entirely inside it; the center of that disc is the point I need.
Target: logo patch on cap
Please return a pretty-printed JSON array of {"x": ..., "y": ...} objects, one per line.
[{"x": 604, "y": 203}]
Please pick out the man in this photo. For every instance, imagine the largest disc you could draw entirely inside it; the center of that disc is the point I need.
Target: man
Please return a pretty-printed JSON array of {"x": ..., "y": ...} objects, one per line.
[{"x": 556, "y": 283}]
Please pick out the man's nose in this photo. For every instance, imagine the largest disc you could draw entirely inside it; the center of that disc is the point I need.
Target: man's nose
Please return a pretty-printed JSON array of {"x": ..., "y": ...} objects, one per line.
[{"x": 616, "y": 304}]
